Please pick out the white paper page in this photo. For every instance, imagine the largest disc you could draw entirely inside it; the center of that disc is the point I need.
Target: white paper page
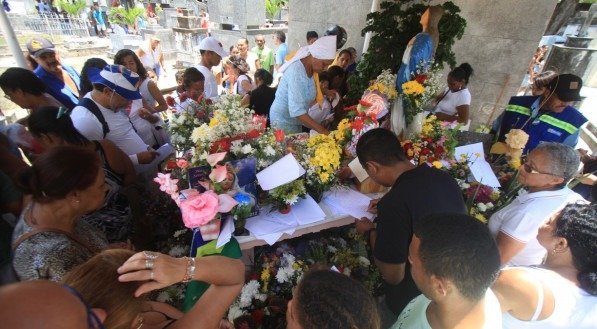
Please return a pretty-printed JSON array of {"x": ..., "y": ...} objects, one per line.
[
  {"x": 273, "y": 238},
  {"x": 358, "y": 170},
  {"x": 307, "y": 211},
  {"x": 270, "y": 222},
  {"x": 280, "y": 172},
  {"x": 480, "y": 168},
  {"x": 349, "y": 202},
  {"x": 225, "y": 233}
]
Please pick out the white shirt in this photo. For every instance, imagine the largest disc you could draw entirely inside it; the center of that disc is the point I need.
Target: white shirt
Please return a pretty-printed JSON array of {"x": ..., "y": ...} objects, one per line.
[
  {"x": 452, "y": 100},
  {"x": 574, "y": 307},
  {"x": 210, "y": 86},
  {"x": 251, "y": 59},
  {"x": 521, "y": 219},
  {"x": 414, "y": 315},
  {"x": 121, "y": 130},
  {"x": 238, "y": 85}
]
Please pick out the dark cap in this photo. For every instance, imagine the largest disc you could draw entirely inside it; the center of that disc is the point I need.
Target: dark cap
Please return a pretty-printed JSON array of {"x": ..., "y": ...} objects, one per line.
[
  {"x": 38, "y": 46},
  {"x": 567, "y": 87}
]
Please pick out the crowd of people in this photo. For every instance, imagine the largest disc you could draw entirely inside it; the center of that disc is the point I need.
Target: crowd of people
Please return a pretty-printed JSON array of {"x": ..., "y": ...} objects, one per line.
[{"x": 79, "y": 210}]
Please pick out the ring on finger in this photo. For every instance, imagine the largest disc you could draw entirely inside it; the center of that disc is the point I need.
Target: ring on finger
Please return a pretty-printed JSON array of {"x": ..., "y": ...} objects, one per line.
[
  {"x": 150, "y": 254},
  {"x": 151, "y": 276},
  {"x": 149, "y": 264}
]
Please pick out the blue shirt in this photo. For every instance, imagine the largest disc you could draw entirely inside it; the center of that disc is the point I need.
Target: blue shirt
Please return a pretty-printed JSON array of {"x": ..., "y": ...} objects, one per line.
[
  {"x": 281, "y": 53},
  {"x": 99, "y": 18},
  {"x": 295, "y": 92},
  {"x": 58, "y": 88}
]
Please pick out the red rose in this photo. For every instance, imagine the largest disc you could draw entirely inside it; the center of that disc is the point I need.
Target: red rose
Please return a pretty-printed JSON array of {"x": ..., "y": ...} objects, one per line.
[
  {"x": 421, "y": 78},
  {"x": 357, "y": 125},
  {"x": 428, "y": 140},
  {"x": 183, "y": 96},
  {"x": 365, "y": 103},
  {"x": 253, "y": 134},
  {"x": 425, "y": 151},
  {"x": 439, "y": 150},
  {"x": 200, "y": 114},
  {"x": 407, "y": 146},
  {"x": 257, "y": 315},
  {"x": 170, "y": 101},
  {"x": 279, "y": 133},
  {"x": 171, "y": 165}
]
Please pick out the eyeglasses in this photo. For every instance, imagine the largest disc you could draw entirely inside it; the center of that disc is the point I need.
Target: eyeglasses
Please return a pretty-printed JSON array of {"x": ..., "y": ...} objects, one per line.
[
  {"x": 527, "y": 168},
  {"x": 93, "y": 322}
]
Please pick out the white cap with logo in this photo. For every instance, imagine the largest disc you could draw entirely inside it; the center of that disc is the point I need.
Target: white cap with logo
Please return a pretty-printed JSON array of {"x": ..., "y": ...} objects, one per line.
[{"x": 211, "y": 44}]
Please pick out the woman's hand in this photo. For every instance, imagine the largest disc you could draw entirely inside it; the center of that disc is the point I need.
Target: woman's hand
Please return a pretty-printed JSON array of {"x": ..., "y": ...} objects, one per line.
[{"x": 157, "y": 269}]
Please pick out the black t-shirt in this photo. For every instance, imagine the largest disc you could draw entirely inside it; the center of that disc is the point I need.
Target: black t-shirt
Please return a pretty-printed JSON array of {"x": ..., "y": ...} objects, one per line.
[
  {"x": 416, "y": 193},
  {"x": 262, "y": 98}
]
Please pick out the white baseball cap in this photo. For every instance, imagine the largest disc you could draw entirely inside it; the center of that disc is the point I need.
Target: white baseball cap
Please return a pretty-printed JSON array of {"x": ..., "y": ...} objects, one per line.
[{"x": 214, "y": 45}]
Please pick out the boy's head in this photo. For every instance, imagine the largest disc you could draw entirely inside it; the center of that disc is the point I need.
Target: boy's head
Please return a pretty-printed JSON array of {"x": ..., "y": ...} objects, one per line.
[
  {"x": 378, "y": 151},
  {"x": 453, "y": 255}
]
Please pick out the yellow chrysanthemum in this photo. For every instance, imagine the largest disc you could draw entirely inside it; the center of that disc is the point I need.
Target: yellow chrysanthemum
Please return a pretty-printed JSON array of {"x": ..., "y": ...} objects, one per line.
[{"x": 413, "y": 88}]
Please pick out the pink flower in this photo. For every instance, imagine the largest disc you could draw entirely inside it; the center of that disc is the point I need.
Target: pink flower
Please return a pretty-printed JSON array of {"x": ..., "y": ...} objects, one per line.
[
  {"x": 199, "y": 209},
  {"x": 218, "y": 174},
  {"x": 214, "y": 158},
  {"x": 182, "y": 163},
  {"x": 226, "y": 202},
  {"x": 167, "y": 185}
]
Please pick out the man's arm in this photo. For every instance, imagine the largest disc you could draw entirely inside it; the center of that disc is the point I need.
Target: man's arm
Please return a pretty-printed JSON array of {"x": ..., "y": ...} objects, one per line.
[{"x": 391, "y": 273}]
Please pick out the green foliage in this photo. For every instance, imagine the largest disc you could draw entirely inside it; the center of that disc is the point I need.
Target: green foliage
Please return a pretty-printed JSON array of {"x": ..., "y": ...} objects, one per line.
[
  {"x": 72, "y": 8},
  {"x": 125, "y": 16},
  {"x": 272, "y": 7},
  {"x": 393, "y": 26}
]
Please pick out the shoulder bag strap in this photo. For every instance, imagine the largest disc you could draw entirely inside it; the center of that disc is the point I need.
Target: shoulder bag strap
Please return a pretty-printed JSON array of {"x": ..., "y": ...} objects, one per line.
[
  {"x": 94, "y": 109},
  {"x": 71, "y": 236}
]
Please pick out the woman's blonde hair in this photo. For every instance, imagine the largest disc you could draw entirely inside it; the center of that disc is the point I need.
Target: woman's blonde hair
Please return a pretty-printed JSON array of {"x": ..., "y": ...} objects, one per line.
[{"x": 97, "y": 281}]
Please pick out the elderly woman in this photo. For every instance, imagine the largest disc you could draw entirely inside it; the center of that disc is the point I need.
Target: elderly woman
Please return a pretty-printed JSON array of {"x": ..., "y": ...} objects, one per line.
[
  {"x": 296, "y": 90},
  {"x": 545, "y": 174},
  {"x": 115, "y": 279},
  {"x": 454, "y": 103},
  {"x": 563, "y": 293},
  {"x": 51, "y": 127},
  {"x": 239, "y": 70},
  {"x": 65, "y": 183}
]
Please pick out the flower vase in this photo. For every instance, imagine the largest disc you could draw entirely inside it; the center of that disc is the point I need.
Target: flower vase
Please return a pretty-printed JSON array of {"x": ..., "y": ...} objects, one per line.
[
  {"x": 316, "y": 193},
  {"x": 239, "y": 227},
  {"x": 284, "y": 209},
  {"x": 211, "y": 230},
  {"x": 416, "y": 125}
]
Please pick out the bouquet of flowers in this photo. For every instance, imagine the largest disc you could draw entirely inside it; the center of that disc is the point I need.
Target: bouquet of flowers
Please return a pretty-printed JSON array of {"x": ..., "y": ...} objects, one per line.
[
  {"x": 358, "y": 121},
  {"x": 267, "y": 148},
  {"x": 480, "y": 200},
  {"x": 284, "y": 196},
  {"x": 190, "y": 114},
  {"x": 201, "y": 210},
  {"x": 385, "y": 84},
  {"x": 321, "y": 157},
  {"x": 436, "y": 141},
  {"x": 420, "y": 90},
  {"x": 229, "y": 122}
]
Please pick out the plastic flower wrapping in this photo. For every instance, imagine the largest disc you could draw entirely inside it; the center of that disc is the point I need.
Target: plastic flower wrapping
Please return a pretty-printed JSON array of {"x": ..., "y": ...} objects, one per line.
[
  {"x": 321, "y": 158},
  {"x": 420, "y": 90}
]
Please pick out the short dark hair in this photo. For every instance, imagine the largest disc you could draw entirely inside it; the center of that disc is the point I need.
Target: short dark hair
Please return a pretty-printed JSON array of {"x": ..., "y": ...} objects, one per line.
[
  {"x": 577, "y": 223},
  {"x": 58, "y": 172},
  {"x": 312, "y": 34},
  {"x": 327, "y": 299},
  {"x": 281, "y": 36},
  {"x": 22, "y": 79},
  {"x": 46, "y": 121},
  {"x": 462, "y": 72},
  {"x": 460, "y": 248},
  {"x": 380, "y": 145},
  {"x": 190, "y": 76},
  {"x": 119, "y": 59},
  {"x": 264, "y": 76},
  {"x": 86, "y": 85}
]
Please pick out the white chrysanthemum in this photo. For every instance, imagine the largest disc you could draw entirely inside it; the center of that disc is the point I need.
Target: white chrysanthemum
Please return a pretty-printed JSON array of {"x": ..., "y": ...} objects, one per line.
[
  {"x": 200, "y": 133},
  {"x": 364, "y": 261},
  {"x": 482, "y": 207},
  {"x": 236, "y": 146},
  {"x": 247, "y": 149},
  {"x": 489, "y": 205},
  {"x": 234, "y": 312},
  {"x": 284, "y": 274},
  {"x": 164, "y": 297},
  {"x": 248, "y": 293},
  {"x": 291, "y": 199},
  {"x": 269, "y": 151}
]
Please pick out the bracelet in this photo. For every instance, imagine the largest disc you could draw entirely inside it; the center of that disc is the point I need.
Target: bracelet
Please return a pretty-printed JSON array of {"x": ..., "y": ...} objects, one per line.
[{"x": 190, "y": 271}]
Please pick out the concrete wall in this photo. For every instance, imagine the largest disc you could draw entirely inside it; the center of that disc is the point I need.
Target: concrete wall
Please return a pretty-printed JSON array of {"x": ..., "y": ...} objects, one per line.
[
  {"x": 499, "y": 41},
  {"x": 315, "y": 15}
]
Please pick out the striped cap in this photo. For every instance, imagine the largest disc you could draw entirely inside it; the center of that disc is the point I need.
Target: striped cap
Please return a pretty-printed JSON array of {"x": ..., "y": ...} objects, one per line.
[{"x": 117, "y": 78}]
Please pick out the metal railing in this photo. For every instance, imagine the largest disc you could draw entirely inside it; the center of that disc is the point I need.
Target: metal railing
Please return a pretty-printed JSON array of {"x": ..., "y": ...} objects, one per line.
[{"x": 53, "y": 25}]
